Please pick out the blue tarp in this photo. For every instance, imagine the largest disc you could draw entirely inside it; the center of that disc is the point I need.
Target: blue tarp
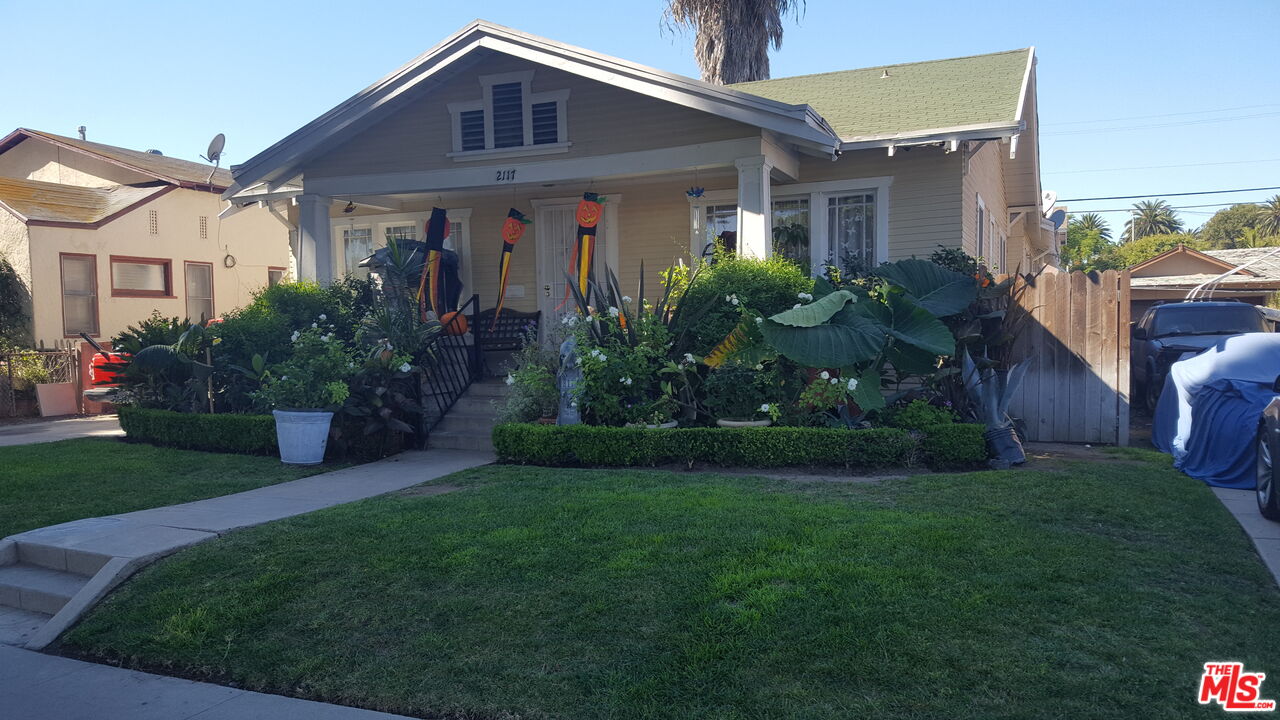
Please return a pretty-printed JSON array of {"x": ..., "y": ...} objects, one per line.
[{"x": 1208, "y": 414}]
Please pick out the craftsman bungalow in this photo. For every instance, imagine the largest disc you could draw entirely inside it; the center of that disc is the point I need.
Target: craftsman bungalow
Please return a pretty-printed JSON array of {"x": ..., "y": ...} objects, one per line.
[{"x": 874, "y": 164}]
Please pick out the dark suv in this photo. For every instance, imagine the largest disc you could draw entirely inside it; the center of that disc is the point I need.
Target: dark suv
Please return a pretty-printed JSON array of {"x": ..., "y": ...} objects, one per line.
[{"x": 1165, "y": 332}]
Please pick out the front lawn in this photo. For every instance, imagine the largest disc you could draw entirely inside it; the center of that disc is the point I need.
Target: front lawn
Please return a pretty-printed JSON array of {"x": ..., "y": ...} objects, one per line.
[
  {"x": 1080, "y": 589},
  {"x": 50, "y": 483}
]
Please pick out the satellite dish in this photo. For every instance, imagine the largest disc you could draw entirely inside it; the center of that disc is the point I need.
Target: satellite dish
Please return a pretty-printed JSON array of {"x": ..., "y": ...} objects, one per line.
[
  {"x": 1047, "y": 199},
  {"x": 214, "y": 153},
  {"x": 1058, "y": 217}
]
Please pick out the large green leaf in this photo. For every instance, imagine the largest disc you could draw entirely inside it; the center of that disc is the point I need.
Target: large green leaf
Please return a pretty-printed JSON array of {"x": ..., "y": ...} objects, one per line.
[
  {"x": 867, "y": 392},
  {"x": 939, "y": 290},
  {"x": 816, "y": 312},
  {"x": 916, "y": 326},
  {"x": 855, "y": 340}
]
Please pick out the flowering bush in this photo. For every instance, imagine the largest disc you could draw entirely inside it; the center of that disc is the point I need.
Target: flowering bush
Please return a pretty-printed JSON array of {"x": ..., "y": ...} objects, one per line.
[
  {"x": 315, "y": 375},
  {"x": 534, "y": 392},
  {"x": 736, "y": 392}
]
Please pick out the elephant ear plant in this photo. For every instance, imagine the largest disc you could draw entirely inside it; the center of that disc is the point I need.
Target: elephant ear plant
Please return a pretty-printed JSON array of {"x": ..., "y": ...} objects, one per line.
[{"x": 990, "y": 391}]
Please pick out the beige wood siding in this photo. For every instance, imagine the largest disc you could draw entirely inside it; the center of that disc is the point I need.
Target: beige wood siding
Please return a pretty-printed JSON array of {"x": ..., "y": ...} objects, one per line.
[
  {"x": 924, "y": 199},
  {"x": 602, "y": 120},
  {"x": 985, "y": 177}
]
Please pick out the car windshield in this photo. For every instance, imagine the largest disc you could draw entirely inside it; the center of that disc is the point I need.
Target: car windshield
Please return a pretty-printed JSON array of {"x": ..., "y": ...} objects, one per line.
[{"x": 1206, "y": 320}]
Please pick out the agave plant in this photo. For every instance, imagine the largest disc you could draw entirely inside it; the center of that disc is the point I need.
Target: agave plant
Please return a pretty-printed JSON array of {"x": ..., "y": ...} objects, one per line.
[{"x": 991, "y": 391}]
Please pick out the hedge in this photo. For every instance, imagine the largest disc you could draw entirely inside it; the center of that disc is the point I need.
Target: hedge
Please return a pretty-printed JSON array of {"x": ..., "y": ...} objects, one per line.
[
  {"x": 244, "y": 434},
  {"x": 955, "y": 446},
  {"x": 594, "y": 446}
]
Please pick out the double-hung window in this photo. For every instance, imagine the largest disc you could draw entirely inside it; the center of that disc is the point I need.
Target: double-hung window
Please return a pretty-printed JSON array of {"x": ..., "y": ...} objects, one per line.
[
  {"x": 509, "y": 119},
  {"x": 79, "y": 294},
  {"x": 199, "y": 291},
  {"x": 851, "y": 224},
  {"x": 357, "y": 244}
]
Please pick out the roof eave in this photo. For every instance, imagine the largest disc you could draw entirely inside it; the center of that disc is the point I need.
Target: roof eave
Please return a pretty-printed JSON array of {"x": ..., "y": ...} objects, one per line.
[{"x": 981, "y": 131}]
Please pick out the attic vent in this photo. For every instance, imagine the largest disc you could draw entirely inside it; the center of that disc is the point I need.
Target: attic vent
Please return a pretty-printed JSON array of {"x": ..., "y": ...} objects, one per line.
[
  {"x": 472, "y": 127},
  {"x": 204, "y": 227},
  {"x": 545, "y": 123},
  {"x": 508, "y": 115},
  {"x": 884, "y": 74},
  {"x": 153, "y": 221}
]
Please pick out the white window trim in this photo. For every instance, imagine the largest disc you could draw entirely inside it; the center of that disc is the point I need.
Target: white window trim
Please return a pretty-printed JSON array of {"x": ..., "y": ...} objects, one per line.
[
  {"x": 378, "y": 224},
  {"x": 817, "y": 193},
  {"x": 612, "y": 237},
  {"x": 529, "y": 99},
  {"x": 980, "y": 232}
]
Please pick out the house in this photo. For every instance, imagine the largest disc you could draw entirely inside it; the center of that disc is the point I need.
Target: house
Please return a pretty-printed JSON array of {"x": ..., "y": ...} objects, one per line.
[
  {"x": 103, "y": 236},
  {"x": 1170, "y": 275},
  {"x": 874, "y": 164}
]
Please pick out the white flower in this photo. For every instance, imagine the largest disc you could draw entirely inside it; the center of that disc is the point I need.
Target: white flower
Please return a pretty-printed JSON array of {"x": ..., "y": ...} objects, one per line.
[
  {"x": 405, "y": 367},
  {"x": 835, "y": 381},
  {"x": 350, "y": 364},
  {"x": 613, "y": 311},
  {"x": 759, "y": 366},
  {"x": 625, "y": 381},
  {"x": 764, "y": 407},
  {"x": 511, "y": 380},
  {"x": 688, "y": 357},
  {"x": 804, "y": 296},
  {"x": 626, "y": 298},
  {"x": 853, "y": 384},
  {"x": 604, "y": 358},
  {"x": 573, "y": 404},
  {"x": 314, "y": 325},
  {"x": 824, "y": 375},
  {"x": 323, "y": 316},
  {"x": 793, "y": 307},
  {"x": 735, "y": 300},
  {"x": 294, "y": 337},
  {"x": 284, "y": 377},
  {"x": 759, "y": 321}
]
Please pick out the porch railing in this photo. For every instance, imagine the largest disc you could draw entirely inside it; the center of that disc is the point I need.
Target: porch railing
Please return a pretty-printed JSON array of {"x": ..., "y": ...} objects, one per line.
[{"x": 455, "y": 364}]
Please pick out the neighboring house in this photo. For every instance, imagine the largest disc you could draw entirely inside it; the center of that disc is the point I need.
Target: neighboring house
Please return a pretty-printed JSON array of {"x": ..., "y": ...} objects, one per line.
[
  {"x": 102, "y": 236},
  {"x": 1170, "y": 275},
  {"x": 876, "y": 164}
]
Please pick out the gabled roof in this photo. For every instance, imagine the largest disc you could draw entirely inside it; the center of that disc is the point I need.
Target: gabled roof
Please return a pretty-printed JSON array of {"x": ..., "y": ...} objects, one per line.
[
  {"x": 1209, "y": 257},
  {"x": 44, "y": 203},
  {"x": 799, "y": 123},
  {"x": 182, "y": 173},
  {"x": 891, "y": 101},
  {"x": 1265, "y": 267}
]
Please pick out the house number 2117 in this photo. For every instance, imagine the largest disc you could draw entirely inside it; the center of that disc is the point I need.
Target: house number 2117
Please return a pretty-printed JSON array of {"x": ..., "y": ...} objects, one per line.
[{"x": 508, "y": 175}]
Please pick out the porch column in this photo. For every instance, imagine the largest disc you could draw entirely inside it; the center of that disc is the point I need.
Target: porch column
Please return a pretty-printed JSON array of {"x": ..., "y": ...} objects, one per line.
[
  {"x": 755, "y": 216},
  {"x": 315, "y": 246}
]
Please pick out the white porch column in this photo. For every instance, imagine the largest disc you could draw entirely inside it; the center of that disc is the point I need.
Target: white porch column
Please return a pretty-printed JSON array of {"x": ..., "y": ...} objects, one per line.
[
  {"x": 755, "y": 215},
  {"x": 315, "y": 246}
]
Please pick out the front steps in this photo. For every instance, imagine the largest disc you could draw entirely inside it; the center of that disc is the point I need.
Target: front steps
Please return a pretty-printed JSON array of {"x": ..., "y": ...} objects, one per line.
[
  {"x": 37, "y": 581},
  {"x": 469, "y": 423}
]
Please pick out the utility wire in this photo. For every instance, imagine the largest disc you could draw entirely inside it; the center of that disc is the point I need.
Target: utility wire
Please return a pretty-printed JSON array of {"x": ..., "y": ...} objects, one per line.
[
  {"x": 1091, "y": 131},
  {"x": 1160, "y": 115},
  {"x": 1177, "y": 194},
  {"x": 1158, "y": 167}
]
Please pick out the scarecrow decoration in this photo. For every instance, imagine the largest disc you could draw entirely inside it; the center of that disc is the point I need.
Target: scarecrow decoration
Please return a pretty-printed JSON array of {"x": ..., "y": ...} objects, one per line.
[
  {"x": 512, "y": 230},
  {"x": 437, "y": 231}
]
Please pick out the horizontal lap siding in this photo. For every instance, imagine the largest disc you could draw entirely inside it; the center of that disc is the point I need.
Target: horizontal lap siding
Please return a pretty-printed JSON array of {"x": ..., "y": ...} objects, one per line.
[
  {"x": 986, "y": 178},
  {"x": 602, "y": 120}
]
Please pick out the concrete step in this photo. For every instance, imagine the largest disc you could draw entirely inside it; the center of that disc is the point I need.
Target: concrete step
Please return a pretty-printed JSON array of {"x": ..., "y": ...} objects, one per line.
[
  {"x": 78, "y": 562},
  {"x": 17, "y": 626},
  {"x": 466, "y": 423},
  {"x": 459, "y": 440},
  {"x": 38, "y": 589},
  {"x": 468, "y": 405},
  {"x": 488, "y": 389}
]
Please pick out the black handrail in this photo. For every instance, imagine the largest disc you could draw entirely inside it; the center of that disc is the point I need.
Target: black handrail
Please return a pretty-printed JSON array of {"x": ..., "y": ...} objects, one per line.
[{"x": 455, "y": 364}]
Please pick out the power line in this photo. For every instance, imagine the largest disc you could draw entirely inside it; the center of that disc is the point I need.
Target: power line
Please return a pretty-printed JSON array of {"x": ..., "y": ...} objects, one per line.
[
  {"x": 1177, "y": 194},
  {"x": 1090, "y": 131},
  {"x": 1171, "y": 207},
  {"x": 1158, "y": 167},
  {"x": 1160, "y": 115}
]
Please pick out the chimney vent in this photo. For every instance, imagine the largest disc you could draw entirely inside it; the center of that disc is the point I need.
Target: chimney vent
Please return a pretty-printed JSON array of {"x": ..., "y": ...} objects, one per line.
[{"x": 82, "y": 130}]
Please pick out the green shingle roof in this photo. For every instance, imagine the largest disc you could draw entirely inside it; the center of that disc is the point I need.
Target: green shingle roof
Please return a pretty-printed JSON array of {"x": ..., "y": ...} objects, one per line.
[{"x": 971, "y": 90}]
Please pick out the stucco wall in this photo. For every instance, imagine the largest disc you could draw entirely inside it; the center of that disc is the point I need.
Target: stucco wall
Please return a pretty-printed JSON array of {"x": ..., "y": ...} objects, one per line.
[
  {"x": 252, "y": 236},
  {"x": 602, "y": 120},
  {"x": 39, "y": 160},
  {"x": 13, "y": 247}
]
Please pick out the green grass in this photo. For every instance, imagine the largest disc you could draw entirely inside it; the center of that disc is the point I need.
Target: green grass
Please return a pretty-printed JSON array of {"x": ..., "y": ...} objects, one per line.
[
  {"x": 50, "y": 483},
  {"x": 1080, "y": 590}
]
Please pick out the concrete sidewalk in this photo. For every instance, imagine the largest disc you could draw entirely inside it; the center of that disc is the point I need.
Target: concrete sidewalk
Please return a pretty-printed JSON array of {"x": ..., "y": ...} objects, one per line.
[
  {"x": 34, "y": 686},
  {"x": 1264, "y": 533},
  {"x": 42, "y": 431}
]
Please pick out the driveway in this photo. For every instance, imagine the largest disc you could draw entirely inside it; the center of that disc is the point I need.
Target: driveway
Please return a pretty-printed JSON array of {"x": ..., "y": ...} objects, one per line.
[{"x": 51, "y": 430}]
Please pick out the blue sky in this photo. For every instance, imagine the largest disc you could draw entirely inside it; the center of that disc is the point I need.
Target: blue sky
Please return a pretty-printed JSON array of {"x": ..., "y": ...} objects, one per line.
[{"x": 1196, "y": 82}]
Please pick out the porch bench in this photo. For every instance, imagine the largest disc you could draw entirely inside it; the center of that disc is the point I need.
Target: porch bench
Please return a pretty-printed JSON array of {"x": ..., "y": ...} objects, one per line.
[{"x": 507, "y": 335}]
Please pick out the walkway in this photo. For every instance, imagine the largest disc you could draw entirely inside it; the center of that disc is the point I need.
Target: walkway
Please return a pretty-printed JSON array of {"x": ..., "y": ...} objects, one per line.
[
  {"x": 1264, "y": 533},
  {"x": 42, "y": 431},
  {"x": 37, "y": 687}
]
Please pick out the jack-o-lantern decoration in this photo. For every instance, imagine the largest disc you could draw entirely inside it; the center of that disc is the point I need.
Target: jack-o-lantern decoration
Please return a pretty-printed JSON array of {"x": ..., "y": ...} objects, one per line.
[
  {"x": 584, "y": 249},
  {"x": 512, "y": 231},
  {"x": 455, "y": 323},
  {"x": 589, "y": 211}
]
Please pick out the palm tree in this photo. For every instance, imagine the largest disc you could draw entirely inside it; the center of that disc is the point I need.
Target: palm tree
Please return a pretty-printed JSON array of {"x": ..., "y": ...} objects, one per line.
[
  {"x": 1089, "y": 222},
  {"x": 732, "y": 37},
  {"x": 1151, "y": 217},
  {"x": 1269, "y": 217}
]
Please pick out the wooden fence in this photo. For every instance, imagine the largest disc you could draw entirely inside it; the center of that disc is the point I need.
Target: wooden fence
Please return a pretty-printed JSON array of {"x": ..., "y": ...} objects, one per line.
[{"x": 1075, "y": 328}]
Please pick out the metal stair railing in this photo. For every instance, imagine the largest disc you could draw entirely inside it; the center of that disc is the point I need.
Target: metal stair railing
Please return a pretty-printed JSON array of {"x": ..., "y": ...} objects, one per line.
[{"x": 455, "y": 364}]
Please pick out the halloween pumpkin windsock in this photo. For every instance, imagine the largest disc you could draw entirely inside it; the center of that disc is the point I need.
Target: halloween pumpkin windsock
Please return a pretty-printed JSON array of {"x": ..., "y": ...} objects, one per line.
[
  {"x": 584, "y": 247},
  {"x": 512, "y": 231},
  {"x": 437, "y": 231}
]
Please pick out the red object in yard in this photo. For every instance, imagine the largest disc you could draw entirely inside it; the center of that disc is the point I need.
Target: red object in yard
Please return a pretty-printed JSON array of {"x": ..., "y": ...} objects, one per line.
[{"x": 105, "y": 368}]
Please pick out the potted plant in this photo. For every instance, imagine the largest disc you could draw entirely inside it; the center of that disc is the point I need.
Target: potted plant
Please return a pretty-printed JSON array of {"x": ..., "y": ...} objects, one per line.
[
  {"x": 655, "y": 414},
  {"x": 303, "y": 392},
  {"x": 738, "y": 396},
  {"x": 534, "y": 395}
]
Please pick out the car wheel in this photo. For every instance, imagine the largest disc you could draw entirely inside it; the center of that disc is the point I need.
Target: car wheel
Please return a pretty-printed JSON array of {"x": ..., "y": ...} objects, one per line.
[{"x": 1266, "y": 492}]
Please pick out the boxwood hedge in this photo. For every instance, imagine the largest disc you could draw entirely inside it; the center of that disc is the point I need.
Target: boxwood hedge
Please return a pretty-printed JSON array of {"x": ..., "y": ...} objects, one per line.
[
  {"x": 593, "y": 446},
  {"x": 244, "y": 434}
]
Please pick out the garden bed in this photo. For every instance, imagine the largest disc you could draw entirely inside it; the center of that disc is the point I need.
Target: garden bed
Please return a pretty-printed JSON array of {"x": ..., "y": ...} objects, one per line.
[{"x": 953, "y": 446}]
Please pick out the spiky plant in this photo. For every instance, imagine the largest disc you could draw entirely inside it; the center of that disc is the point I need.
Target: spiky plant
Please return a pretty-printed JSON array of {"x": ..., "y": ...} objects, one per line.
[{"x": 732, "y": 37}]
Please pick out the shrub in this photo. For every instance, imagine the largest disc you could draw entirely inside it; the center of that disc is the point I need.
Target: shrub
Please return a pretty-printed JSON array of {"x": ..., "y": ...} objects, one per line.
[
  {"x": 244, "y": 434},
  {"x": 585, "y": 445},
  {"x": 764, "y": 286},
  {"x": 917, "y": 415},
  {"x": 314, "y": 377},
  {"x": 741, "y": 393},
  {"x": 954, "y": 446},
  {"x": 155, "y": 330}
]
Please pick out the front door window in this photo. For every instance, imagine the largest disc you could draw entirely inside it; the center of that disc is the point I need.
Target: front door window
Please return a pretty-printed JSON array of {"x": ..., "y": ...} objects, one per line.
[{"x": 851, "y": 223}]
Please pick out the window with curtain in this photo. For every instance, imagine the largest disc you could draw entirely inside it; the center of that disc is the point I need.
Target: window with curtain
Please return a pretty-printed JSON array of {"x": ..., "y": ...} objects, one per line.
[
  {"x": 199, "y": 291},
  {"x": 140, "y": 277},
  {"x": 721, "y": 219},
  {"x": 275, "y": 276},
  {"x": 851, "y": 224},
  {"x": 79, "y": 294},
  {"x": 357, "y": 244},
  {"x": 791, "y": 229}
]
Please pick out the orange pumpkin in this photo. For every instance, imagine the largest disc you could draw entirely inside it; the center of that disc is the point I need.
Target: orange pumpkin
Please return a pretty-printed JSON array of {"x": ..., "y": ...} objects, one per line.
[
  {"x": 589, "y": 213},
  {"x": 455, "y": 323},
  {"x": 512, "y": 230}
]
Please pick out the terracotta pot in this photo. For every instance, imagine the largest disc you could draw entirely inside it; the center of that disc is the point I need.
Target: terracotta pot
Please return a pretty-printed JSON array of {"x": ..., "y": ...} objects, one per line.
[{"x": 731, "y": 423}]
